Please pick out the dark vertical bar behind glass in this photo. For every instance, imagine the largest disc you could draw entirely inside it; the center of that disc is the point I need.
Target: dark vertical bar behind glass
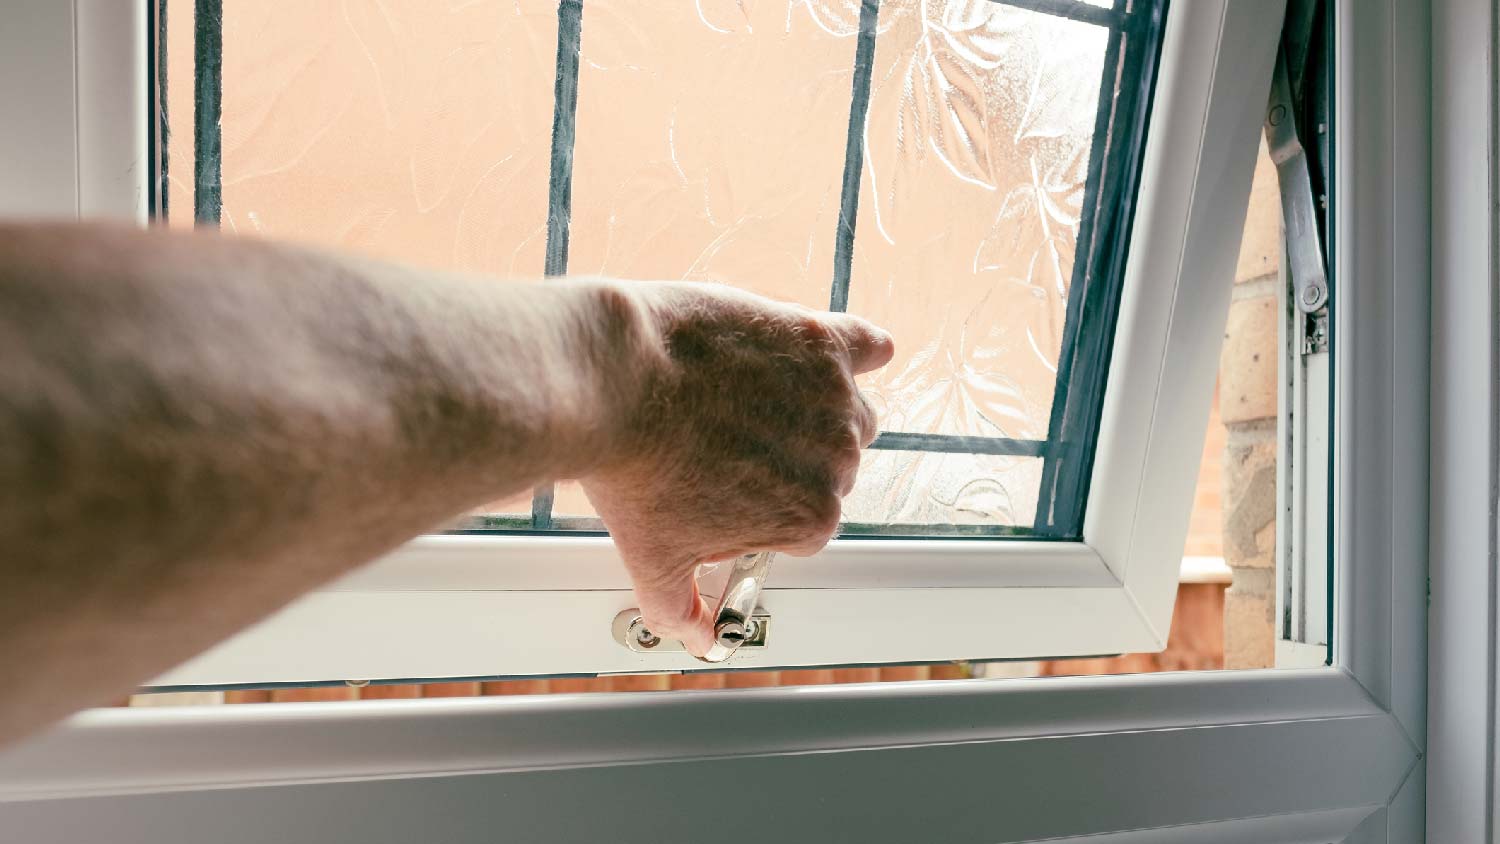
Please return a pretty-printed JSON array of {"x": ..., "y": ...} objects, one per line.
[
  {"x": 1073, "y": 10},
  {"x": 158, "y": 136},
  {"x": 560, "y": 181},
  {"x": 208, "y": 87},
  {"x": 854, "y": 156},
  {"x": 564, "y": 116}
]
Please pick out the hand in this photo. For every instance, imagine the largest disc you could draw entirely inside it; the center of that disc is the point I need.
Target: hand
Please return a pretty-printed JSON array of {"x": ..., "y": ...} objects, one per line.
[{"x": 746, "y": 435}]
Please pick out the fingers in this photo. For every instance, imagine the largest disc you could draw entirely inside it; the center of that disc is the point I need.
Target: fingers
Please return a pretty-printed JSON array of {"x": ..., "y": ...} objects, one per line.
[
  {"x": 867, "y": 424},
  {"x": 673, "y": 609},
  {"x": 846, "y": 456},
  {"x": 817, "y": 522},
  {"x": 870, "y": 347}
]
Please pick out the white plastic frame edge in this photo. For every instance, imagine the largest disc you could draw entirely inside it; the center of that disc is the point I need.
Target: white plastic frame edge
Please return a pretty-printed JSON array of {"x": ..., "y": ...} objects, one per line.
[{"x": 75, "y": 144}]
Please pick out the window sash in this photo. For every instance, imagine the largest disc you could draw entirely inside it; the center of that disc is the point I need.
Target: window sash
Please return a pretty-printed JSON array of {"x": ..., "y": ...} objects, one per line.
[
  {"x": 1113, "y": 592},
  {"x": 1113, "y": 179}
]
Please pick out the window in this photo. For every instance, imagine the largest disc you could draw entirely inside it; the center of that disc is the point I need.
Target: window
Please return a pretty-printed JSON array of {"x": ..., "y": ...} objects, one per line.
[
  {"x": 1324, "y": 754},
  {"x": 982, "y": 141},
  {"x": 977, "y": 176}
]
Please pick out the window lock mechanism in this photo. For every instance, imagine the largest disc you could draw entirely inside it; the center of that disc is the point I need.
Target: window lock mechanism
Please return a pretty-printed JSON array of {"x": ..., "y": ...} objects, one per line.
[{"x": 738, "y": 622}]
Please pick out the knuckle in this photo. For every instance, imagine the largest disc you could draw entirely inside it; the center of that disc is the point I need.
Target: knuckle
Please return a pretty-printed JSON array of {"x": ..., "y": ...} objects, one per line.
[
  {"x": 847, "y": 478},
  {"x": 812, "y": 339},
  {"x": 815, "y": 329},
  {"x": 855, "y": 449},
  {"x": 849, "y": 452},
  {"x": 815, "y": 526},
  {"x": 826, "y": 512},
  {"x": 867, "y": 423},
  {"x": 840, "y": 400}
]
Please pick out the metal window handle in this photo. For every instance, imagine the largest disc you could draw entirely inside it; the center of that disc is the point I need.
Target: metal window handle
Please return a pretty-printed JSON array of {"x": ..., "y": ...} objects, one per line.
[
  {"x": 737, "y": 622},
  {"x": 733, "y": 625}
]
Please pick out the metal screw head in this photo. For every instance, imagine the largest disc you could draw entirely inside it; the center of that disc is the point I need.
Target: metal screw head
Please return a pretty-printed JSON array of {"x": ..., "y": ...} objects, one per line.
[
  {"x": 1278, "y": 114},
  {"x": 645, "y": 638},
  {"x": 1312, "y": 296}
]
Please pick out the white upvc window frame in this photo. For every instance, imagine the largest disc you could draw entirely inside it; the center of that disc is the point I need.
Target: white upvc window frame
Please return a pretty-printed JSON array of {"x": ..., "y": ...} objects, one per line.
[
  {"x": 1302, "y": 426},
  {"x": 1272, "y": 757},
  {"x": 76, "y": 140},
  {"x": 483, "y": 606}
]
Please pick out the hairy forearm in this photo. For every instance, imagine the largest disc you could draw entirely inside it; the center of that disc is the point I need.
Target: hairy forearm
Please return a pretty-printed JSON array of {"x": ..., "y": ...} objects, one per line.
[{"x": 193, "y": 430}]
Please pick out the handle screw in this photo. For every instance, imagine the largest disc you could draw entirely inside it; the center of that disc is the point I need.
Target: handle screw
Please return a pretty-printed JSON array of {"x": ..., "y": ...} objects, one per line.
[{"x": 645, "y": 638}]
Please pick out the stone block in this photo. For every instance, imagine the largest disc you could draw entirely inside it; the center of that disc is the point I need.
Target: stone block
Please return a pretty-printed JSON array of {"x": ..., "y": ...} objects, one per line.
[
  {"x": 1250, "y": 620},
  {"x": 1249, "y": 497},
  {"x": 1248, "y": 364},
  {"x": 1260, "y": 249}
]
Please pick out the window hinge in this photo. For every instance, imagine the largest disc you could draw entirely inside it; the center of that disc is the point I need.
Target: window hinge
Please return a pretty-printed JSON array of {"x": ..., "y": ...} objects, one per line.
[{"x": 1299, "y": 208}]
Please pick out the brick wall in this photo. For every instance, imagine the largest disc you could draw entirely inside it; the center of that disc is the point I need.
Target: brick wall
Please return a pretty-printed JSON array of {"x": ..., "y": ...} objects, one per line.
[{"x": 1248, "y": 378}]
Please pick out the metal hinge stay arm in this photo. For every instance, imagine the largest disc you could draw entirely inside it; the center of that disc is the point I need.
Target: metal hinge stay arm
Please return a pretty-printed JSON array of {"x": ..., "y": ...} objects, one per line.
[{"x": 1299, "y": 207}]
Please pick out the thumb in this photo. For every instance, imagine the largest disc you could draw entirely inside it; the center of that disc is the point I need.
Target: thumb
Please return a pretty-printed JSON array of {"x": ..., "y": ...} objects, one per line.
[
  {"x": 870, "y": 346},
  {"x": 672, "y": 608},
  {"x": 664, "y": 577}
]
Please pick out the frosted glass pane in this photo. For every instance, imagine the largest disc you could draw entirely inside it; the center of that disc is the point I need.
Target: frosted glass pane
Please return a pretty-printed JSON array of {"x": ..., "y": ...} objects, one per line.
[
  {"x": 710, "y": 142},
  {"x": 568, "y": 504},
  {"x": 977, "y": 146},
  {"x": 710, "y": 145},
  {"x": 569, "y": 500},
  {"x": 909, "y": 487},
  {"x": 179, "y": 193},
  {"x": 406, "y": 129},
  {"x": 514, "y": 509},
  {"x": 894, "y": 487}
]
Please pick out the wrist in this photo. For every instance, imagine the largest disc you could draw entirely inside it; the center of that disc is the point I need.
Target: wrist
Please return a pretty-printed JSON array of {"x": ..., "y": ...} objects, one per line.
[{"x": 617, "y": 342}]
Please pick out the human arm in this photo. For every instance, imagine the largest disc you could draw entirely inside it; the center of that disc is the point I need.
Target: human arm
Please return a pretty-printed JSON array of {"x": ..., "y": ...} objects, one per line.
[{"x": 196, "y": 429}]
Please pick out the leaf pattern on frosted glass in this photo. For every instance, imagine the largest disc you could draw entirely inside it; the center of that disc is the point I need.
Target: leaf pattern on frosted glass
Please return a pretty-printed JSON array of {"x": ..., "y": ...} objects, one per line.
[
  {"x": 977, "y": 145},
  {"x": 399, "y": 128},
  {"x": 294, "y": 78},
  {"x": 1036, "y": 230},
  {"x": 977, "y": 80},
  {"x": 957, "y": 383},
  {"x": 448, "y": 125},
  {"x": 710, "y": 142},
  {"x": 710, "y": 146},
  {"x": 1044, "y": 211},
  {"x": 927, "y": 488},
  {"x": 836, "y": 17}
]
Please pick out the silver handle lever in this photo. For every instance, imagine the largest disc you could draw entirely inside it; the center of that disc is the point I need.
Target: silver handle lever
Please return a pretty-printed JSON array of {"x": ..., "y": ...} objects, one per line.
[
  {"x": 734, "y": 623},
  {"x": 737, "y": 622}
]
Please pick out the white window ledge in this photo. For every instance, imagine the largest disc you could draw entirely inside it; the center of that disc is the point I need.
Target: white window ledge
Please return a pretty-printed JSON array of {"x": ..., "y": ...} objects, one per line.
[{"x": 1204, "y": 570}]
